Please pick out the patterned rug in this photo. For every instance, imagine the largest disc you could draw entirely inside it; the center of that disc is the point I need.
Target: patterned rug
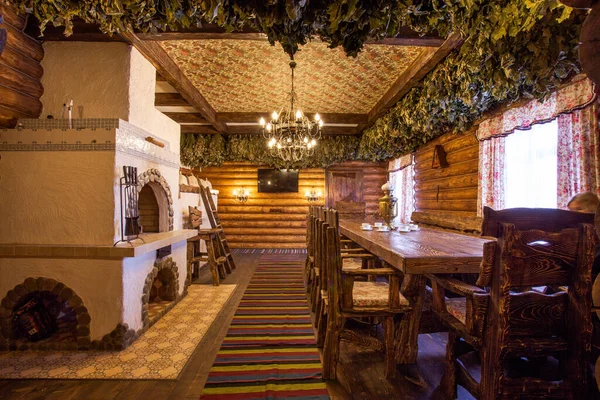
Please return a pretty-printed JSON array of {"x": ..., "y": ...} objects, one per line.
[
  {"x": 160, "y": 353},
  {"x": 269, "y": 251},
  {"x": 270, "y": 350}
]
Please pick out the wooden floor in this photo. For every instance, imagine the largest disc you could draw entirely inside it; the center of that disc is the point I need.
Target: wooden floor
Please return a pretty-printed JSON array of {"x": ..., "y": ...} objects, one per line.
[{"x": 360, "y": 374}]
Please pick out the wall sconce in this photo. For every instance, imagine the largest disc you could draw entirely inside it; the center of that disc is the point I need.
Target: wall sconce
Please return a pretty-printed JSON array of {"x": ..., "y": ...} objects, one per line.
[
  {"x": 241, "y": 195},
  {"x": 313, "y": 195}
]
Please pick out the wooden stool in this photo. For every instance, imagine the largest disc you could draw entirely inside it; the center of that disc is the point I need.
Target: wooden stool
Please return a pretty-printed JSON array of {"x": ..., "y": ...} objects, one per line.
[{"x": 213, "y": 255}]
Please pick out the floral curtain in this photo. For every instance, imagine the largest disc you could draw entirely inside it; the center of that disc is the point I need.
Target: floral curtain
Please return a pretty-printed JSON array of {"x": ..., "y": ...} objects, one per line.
[
  {"x": 578, "y": 143},
  {"x": 576, "y": 96},
  {"x": 402, "y": 181},
  {"x": 578, "y": 154},
  {"x": 491, "y": 174}
]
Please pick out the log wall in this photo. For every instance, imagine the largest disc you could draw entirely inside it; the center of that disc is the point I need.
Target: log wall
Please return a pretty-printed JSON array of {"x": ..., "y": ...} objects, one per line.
[
  {"x": 266, "y": 220},
  {"x": 20, "y": 71},
  {"x": 447, "y": 197},
  {"x": 277, "y": 220}
]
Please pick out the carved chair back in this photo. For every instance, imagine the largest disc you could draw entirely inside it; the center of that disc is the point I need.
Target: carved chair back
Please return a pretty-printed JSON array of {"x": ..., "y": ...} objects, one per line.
[
  {"x": 351, "y": 208},
  {"x": 533, "y": 250}
]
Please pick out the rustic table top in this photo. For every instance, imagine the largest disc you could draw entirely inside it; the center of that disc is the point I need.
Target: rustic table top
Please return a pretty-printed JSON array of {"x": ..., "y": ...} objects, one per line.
[{"x": 419, "y": 252}]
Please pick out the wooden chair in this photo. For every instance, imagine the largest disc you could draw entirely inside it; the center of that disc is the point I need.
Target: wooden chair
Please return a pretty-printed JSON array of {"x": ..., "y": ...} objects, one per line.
[
  {"x": 354, "y": 256},
  {"x": 348, "y": 298},
  {"x": 504, "y": 321},
  {"x": 349, "y": 263},
  {"x": 351, "y": 208}
]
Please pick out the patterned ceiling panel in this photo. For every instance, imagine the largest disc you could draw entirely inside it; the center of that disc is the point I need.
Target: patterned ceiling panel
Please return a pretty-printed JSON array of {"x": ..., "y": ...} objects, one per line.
[{"x": 253, "y": 76}]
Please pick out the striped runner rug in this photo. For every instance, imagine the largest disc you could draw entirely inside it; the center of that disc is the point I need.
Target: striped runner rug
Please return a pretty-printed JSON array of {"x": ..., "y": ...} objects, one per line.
[
  {"x": 270, "y": 350},
  {"x": 269, "y": 251}
]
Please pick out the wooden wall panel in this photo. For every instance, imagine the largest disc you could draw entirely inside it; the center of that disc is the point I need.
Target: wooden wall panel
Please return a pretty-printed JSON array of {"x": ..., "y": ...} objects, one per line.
[
  {"x": 447, "y": 197},
  {"x": 20, "y": 71},
  {"x": 266, "y": 220},
  {"x": 277, "y": 220}
]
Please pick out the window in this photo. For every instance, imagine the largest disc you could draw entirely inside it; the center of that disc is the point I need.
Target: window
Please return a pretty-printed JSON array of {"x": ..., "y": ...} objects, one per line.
[
  {"x": 402, "y": 182},
  {"x": 531, "y": 167}
]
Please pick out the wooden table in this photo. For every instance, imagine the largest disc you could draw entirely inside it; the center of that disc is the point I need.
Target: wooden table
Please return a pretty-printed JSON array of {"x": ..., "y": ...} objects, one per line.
[{"x": 416, "y": 253}]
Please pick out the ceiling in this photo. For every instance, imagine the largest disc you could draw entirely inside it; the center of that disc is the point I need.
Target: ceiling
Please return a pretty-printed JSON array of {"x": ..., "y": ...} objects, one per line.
[{"x": 251, "y": 76}]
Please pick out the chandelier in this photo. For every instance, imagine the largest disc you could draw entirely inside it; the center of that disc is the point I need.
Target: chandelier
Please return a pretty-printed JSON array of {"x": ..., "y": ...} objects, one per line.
[{"x": 291, "y": 135}]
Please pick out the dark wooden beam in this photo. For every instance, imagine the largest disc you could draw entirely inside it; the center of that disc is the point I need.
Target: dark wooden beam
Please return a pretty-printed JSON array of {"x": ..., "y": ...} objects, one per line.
[
  {"x": 419, "y": 41},
  {"x": 189, "y": 118},
  {"x": 405, "y": 37},
  {"x": 426, "y": 61},
  {"x": 203, "y": 129},
  {"x": 332, "y": 118},
  {"x": 82, "y": 32},
  {"x": 206, "y": 31},
  {"x": 166, "y": 67},
  {"x": 170, "y": 99},
  {"x": 255, "y": 130}
]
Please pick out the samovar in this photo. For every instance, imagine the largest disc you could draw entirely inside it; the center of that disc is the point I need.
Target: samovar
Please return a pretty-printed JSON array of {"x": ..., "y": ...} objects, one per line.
[{"x": 388, "y": 206}]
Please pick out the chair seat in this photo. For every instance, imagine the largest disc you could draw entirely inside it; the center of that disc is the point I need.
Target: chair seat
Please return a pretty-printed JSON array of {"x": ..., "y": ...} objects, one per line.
[
  {"x": 373, "y": 294},
  {"x": 352, "y": 264},
  {"x": 457, "y": 307}
]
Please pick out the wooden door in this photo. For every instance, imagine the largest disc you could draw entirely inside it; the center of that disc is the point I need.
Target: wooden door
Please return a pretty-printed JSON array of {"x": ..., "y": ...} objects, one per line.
[{"x": 344, "y": 185}]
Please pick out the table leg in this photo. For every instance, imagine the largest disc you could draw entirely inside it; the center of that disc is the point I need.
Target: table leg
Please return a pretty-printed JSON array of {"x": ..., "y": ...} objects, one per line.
[{"x": 407, "y": 330}]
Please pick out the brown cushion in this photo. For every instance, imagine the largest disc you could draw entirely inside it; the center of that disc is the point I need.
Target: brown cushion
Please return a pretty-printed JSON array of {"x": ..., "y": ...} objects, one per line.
[
  {"x": 373, "y": 294},
  {"x": 457, "y": 307}
]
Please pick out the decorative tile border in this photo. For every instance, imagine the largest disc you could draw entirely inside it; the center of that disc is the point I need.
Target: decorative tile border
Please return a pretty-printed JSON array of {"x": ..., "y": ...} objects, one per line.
[
  {"x": 57, "y": 147},
  {"x": 127, "y": 138},
  {"x": 76, "y": 123}
]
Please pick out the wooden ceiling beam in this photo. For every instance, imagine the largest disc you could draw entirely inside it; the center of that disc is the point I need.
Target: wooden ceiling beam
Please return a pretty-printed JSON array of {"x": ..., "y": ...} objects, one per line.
[
  {"x": 405, "y": 36},
  {"x": 186, "y": 118},
  {"x": 424, "y": 63},
  {"x": 170, "y": 100},
  {"x": 332, "y": 118},
  {"x": 255, "y": 130},
  {"x": 203, "y": 129},
  {"x": 166, "y": 67}
]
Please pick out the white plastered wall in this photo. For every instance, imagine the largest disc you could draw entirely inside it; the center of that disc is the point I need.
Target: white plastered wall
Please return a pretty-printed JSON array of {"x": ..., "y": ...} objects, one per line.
[
  {"x": 94, "y": 75},
  {"x": 97, "y": 282},
  {"x": 57, "y": 197}
]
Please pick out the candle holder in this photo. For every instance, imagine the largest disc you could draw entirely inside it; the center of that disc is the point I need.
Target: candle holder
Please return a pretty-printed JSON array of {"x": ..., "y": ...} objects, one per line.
[{"x": 241, "y": 195}]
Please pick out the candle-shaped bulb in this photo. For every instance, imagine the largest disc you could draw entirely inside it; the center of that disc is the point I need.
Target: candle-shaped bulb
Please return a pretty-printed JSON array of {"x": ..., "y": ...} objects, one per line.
[
  {"x": 269, "y": 127},
  {"x": 320, "y": 123},
  {"x": 274, "y": 116},
  {"x": 305, "y": 139},
  {"x": 298, "y": 114},
  {"x": 279, "y": 145},
  {"x": 317, "y": 117},
  {"x": 235, "y": 192},
  {"x": 313, "y": 142},
  {"x": 262, "y": 122}
]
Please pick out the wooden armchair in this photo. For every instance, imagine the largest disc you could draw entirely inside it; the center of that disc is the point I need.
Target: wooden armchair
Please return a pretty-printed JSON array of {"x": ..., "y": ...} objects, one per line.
[
  {"x": 354, "y": 257},
  {"x": 503, "y": 320},
  {"x": 350, "y": 262},
  {"x": 349, "y": 298}
]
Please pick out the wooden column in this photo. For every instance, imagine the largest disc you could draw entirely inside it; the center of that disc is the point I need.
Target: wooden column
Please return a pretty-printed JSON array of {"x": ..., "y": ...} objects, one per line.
[{"x": 20, "y": 70}]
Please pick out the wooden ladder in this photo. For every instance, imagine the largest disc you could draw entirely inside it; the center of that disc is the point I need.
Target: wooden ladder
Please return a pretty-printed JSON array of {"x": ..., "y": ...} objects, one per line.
[{"x": 215, "y": 223}]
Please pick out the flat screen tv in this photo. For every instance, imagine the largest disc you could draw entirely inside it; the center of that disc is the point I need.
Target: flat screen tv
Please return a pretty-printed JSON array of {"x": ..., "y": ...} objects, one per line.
[{"x": 277, "y": 180}]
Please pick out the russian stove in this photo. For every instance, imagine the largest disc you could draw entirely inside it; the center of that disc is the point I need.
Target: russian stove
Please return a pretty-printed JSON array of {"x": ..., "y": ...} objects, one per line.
[{"x": 61, "y": 203}]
